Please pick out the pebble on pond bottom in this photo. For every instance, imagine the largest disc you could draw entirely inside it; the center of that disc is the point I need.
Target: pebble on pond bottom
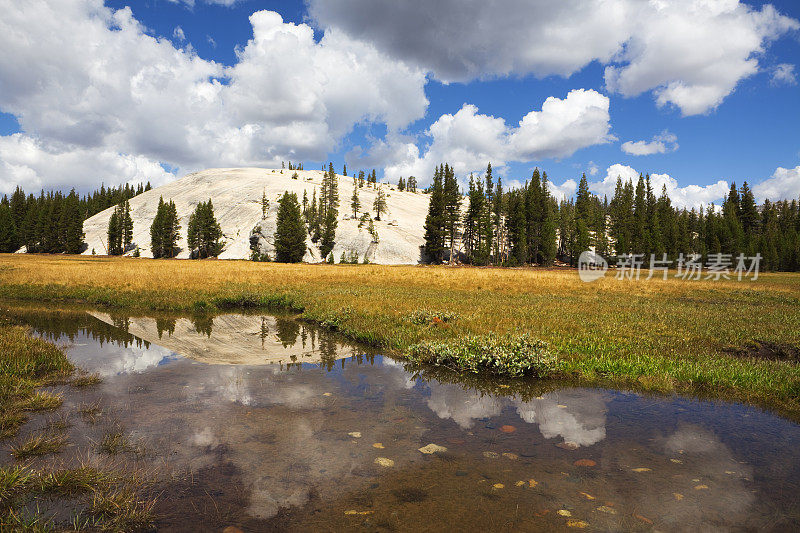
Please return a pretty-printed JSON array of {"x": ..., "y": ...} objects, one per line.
[
  {"x": 378, "y": 445},
  {"x": 355, "y": 434},
  {"x": 432, "y": 448},
  {"x": 564, "y": 512},
  {"x": 498, "y": 486},
  {"x": 383, "y": 461}
]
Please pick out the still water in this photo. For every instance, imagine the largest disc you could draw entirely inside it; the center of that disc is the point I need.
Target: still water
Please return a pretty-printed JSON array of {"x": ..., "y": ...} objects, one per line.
[{"x": 265, "y": 423}]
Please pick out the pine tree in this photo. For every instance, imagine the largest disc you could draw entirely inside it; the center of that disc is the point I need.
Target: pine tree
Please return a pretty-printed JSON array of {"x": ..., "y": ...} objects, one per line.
[
  {"x": 379, "y": 205},
  {"x": 71, "y": 225},
  {"x": 486, "y": 229},
  {"x": 472, "y": 221},
  {"x": 8, "y": 230},
  {"x": 126, "y": 226},
  {"x": 114, "y": 233},
  {"x": 329, "y": 211},
  {"x": 290, "y": 235},
  {"x": 517, "y": 228},
  {"x": 164, "y": 231},
  {"x": 641, "y": 241},
  {"x": 435, "y": 220},
  {"x": 355, "y": 203},
  {"x": 203, "y": 232},
  {"x": 452, "y": 209},
  {"x": 549, "y": 214},
  {"x": 157, "y": 244}
]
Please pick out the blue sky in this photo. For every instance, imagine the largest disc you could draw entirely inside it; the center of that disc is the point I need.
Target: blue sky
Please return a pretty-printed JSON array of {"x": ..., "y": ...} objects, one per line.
[{"x": 735, "y": 116}]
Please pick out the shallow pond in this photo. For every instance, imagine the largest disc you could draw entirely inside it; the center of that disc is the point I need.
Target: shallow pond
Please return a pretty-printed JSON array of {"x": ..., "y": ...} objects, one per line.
[{"x": 263, "y": 422}]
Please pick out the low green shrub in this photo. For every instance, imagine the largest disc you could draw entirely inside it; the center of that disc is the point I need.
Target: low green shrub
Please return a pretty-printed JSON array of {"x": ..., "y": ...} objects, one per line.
[{"x": 511, "y": 356}]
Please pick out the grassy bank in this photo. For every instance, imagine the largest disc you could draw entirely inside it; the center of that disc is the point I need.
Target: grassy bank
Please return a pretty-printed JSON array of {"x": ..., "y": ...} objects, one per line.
[
  {"x": 101, "y": 500},
  {"x": 736, "y": 340}
]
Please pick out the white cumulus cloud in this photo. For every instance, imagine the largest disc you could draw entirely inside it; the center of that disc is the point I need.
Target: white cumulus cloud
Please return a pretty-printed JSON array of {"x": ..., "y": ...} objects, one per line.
[
  {"x": 783, "y": 74},
  {"x": 660, "y": 144},
  {"x": 783, "y": 185},
  {"x": 469, "y": 139},
  {"x": 97, "y": 84}
]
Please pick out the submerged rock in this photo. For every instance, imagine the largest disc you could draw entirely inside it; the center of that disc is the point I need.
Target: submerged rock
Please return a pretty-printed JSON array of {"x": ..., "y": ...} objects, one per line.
[{"x": 432, "y": 448}]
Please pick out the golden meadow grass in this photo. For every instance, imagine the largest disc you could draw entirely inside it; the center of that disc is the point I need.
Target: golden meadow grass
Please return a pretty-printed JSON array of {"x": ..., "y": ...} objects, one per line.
[{"x": 657, "y": 335}]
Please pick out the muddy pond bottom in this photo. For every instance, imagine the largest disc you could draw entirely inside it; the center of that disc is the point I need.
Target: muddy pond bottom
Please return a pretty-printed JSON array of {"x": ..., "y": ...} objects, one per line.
[{"x": 262, "y": 422}]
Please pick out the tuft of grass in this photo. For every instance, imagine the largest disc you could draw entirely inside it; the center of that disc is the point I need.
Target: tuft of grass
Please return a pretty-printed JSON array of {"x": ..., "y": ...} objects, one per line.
[
  {"x": 14, "y": 480},
  {"x": 122, "y": 510},
  {"x": 90, "y": 412},
  {"x": 86, "y": 380},
  {"x": 71, "y": 482},
  {"x": 10, "y": 422},
  {"x": 39, "y": 444},
  {"x": 42, "y": 401},
  {"x": 515, "y": 356},
  {"x": 113, "y": 443}
]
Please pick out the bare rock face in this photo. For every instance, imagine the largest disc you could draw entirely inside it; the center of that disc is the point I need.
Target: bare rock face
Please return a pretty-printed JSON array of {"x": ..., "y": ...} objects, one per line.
[{"x": 236, "y": 194}]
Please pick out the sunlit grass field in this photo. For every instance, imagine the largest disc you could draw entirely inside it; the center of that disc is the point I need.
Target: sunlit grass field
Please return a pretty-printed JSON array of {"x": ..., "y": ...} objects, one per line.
[{"x": 673, "y": 335}]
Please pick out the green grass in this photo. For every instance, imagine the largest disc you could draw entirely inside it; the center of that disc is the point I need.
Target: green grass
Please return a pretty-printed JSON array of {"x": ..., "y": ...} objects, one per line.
[
  {"x": 86, "y": 380},
  {"x": 651, "y": 335},
  {"x": 39, "y": 444},
  {"x": 27, "y": 363},
  {"x": 113, "y": 443}
]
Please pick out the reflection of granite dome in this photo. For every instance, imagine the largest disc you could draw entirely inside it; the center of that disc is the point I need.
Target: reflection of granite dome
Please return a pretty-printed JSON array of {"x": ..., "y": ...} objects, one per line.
[
  {"x": 237, "y": 193},
  {"x": 236, "y": 339}
]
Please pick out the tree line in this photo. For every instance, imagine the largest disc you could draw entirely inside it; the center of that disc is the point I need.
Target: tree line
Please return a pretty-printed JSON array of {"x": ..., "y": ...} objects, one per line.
[
  {"x": 53, "y": 222},
  {"x": 526, "y": 225}
]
